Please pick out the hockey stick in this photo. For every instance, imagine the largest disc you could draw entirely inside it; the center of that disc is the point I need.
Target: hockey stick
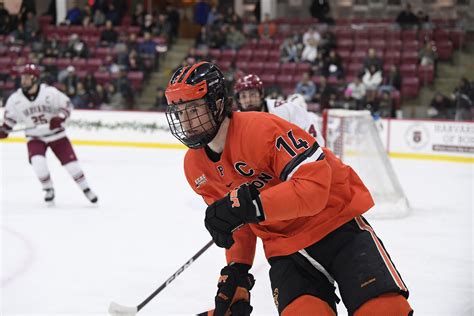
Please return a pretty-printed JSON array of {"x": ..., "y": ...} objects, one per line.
[
  {"x": 23, "y": 129},
  {"x": 120, "y": 310}
]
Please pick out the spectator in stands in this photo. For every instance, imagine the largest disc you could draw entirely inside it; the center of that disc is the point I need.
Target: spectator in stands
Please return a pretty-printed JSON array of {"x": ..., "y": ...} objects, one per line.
[
  {"x": 327, "y": 43},
  {"x": 99, "y": 18},
  {"x": 355, "y": 93},
  {"x": 113, "y": 14},
  {"x": 407, "y": 19},
  {"x": 289, "y": 51},
  {"x": 320, "y": 9},
  {"x": 274, "y": 93},
  {"x": 306, "y": 87},
  {"x": 217, "y": 37},
  {"x": 463, "y": 96},
  {"x": 212, "y": 16},
  {"x": 31, "y": 23},
  {"x": 5, "y": 20},
  {"x": 465, "y": 87},
  {"x": 202, "y": 39},
  {"x": 132, "y": 43},
  {"x": 250, "y": 28},
  {"x": 147, "y": 49},
  {"x": 201, "y": 10},
  {"x": 89, "y": 81},
  {"x": 80, "y": 99},
  {"x": 98, "y": 96},
  {"x": 317, "y": 65},
  {"x": 138, "y": 16},
  {"x": 18, "y": 35},
  {"x": 231, "y": 76},
  {"x": 115, "y": 100},
  {"x": 333, "y": 66},
  {"x": 86, "y": 12},
  {"x": 441, "y": 107},
  {"x": 109, "y": 36},
  {"x": 87, "y": 22},
  {"x": 310, "y": 41},
  {"x": 372, "y": 59},
  {"x": 122, "y": 8},
  {"x": 100, "y": 5},
  {"x": 70, "y": 81},
  {"x": 53, "y": 48},
  {"x": 124, "y": 86},
  {"x": 111, "y": 65},
  {"x": 163, "y": 28},
  {"x": 193, "y": 55},
  {"x": 74, "y": 15},
  {"x": 236, "y": 20},
  {"x": 234, "y": 38},
  {"x": 428, "y": 54},
  {"x": 326, "y": 94},
  {"x": 424, "y": 20},
  {"x": 134, "y": 63},
  {"x": 392, "y": 80},
  {"x": 384, "y": 105},
  {"x": 173, "y": 19},
  {"x": 76, "y": 48},
  {"x": 121, "y": 50},
  {"x": 372, "y": 79},
  {"x": 267, "y": 29},
  {"x": 160, "y": 101},
  {"x": 149, "y": 25}
]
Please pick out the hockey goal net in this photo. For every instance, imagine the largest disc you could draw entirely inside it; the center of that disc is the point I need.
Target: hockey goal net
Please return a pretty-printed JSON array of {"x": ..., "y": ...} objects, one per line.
[{"x": 353, "y": 136}]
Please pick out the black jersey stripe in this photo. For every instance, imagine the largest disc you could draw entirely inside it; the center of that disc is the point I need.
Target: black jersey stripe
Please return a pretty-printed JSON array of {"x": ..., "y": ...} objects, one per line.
[{"x": 293, "y": 164}]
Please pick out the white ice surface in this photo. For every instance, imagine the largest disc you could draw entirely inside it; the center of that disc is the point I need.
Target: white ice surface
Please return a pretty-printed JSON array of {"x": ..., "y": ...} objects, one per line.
[{"x": 73, "y": 258}]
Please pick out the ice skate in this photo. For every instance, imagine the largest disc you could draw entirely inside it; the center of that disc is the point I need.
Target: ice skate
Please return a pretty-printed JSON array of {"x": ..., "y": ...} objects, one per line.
[
  {"x": 91, "y": 196},
  {"x": 49, "y": 195}
]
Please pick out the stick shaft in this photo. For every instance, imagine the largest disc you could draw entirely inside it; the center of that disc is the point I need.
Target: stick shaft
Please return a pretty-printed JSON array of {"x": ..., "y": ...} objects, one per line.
[{"x": 172, "y": 277}]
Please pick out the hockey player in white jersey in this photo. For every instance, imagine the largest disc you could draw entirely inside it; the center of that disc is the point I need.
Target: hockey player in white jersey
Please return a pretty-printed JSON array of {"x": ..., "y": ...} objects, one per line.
[
  {"x": 43, "y": 109},
  {"x": 250, "y": 97}
]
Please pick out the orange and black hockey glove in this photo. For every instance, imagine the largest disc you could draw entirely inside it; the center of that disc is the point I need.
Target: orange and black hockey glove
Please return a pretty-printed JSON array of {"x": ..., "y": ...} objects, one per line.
[
  {"x": 233, "y": 295},
  {"x": 239, "y": 207}
]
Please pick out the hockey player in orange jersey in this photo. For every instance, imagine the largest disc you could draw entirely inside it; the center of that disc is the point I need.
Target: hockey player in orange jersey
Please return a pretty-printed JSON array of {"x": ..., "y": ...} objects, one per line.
[{"x": 264, "y": 177}]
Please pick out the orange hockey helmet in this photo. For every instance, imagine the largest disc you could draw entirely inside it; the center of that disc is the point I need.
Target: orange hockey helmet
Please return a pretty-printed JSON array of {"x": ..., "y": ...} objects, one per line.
[{"x": 187, "y": 120}]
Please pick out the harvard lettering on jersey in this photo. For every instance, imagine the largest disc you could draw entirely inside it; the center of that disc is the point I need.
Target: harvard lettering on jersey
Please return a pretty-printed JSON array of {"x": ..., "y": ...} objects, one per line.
[
  {"x": 49, "y": 102},
  {"x": 296, "y": 114},
  {"x": 306, "y": 192}
]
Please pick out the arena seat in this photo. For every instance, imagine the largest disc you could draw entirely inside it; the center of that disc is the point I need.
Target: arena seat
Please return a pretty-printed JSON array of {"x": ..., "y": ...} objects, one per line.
[
  {"x": 285, "y": 81},
  {"x": 136, "y": 79},
  {"x": 408, "y": 70},
  {"x": 410, "y": 86},
  {"x": 255, "y": 67},
  {"x": 272, "y": 67},
  {"x": 445, "y": 49},
  {"x": 102, "y": 77},
  {"x": 260, "y": 55},
  {"x": 426, "y": 74},
  {"x": 244, "y": 55},
  {"x": 268, "y": 79},
  {"x": 288, "y": 69}
]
